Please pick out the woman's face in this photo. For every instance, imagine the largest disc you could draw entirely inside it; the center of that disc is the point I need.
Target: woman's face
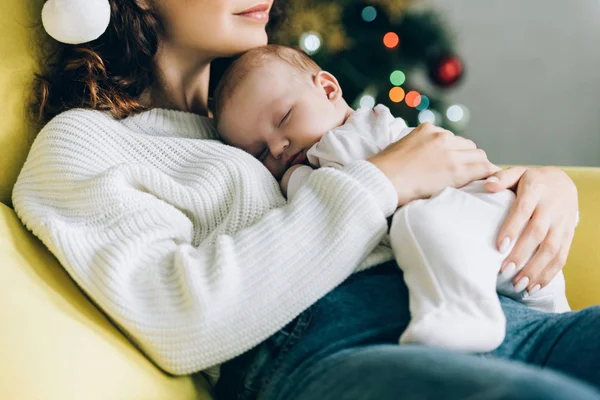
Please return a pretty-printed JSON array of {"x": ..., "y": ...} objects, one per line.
[{"x": 219, "y": 28}]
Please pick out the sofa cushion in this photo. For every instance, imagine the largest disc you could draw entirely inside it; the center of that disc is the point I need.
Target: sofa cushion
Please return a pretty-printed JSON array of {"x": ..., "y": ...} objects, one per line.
[
  {"x": 582, "y": 271},
  {"x": 56, "y": 345},
  {"x": 17, "y": 49}
]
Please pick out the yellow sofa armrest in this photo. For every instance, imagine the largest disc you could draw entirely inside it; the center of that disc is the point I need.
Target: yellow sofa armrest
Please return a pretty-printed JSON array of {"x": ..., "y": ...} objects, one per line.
[
  {"x": 56, "y": 345},
  {"x": 582, "y": 271}
]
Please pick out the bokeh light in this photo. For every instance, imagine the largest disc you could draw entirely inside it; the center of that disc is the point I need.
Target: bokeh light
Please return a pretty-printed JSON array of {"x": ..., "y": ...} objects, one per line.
[
  {"x": 413, "y": 98},
  {"x": 369, "y": 14},
  {"x": 396, "y": 94},
  {"x": 458, "y": 116},
  {"x": 391, "y": 40},
  {"x": 397, "y": 78},
  {"x": 367, "y": 101},
  {"x": 310, "y": 42},
  {"x": 429, "y": 116},
  {"x": 455, "y": 113},
  {"x": 424, "y": 104}
]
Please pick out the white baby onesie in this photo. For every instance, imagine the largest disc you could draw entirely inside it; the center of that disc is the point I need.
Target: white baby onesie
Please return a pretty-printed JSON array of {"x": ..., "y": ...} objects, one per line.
[{"x": 445, "y": 245}]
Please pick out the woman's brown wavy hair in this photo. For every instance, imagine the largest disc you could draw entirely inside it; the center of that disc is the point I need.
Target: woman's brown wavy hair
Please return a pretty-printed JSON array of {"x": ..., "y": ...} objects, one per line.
[{"x": 111, "y": 72}]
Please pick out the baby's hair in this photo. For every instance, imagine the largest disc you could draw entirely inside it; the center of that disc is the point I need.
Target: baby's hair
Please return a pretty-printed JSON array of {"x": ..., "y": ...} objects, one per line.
[{"x": 255, "y": 58}]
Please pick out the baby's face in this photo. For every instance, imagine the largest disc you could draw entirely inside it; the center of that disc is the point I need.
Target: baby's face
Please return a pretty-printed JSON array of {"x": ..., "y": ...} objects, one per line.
[{"x": 277, "y": 115}]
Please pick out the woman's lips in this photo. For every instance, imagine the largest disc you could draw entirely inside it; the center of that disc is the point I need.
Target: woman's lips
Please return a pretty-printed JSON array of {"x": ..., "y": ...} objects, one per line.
[{"x": 258, "y": 13}]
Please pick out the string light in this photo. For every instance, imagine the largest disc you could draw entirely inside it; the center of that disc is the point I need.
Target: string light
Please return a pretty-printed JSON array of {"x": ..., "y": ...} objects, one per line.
[
  {"x": 397, "y": 78},
  {"x": 396, "y": 94},
  {"x": 310, "y": 42},
  {"x": 423, "y": 104},
  {"x": 391, "y": 40},
  {"x": 413, "y": 98},
  {"x": 367, "y": 101},
  {"x": 369, "y": 14}
]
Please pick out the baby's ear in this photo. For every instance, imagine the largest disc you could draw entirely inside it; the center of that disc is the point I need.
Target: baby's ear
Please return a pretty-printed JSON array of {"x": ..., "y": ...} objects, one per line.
[{"x": 329, "y": 84}]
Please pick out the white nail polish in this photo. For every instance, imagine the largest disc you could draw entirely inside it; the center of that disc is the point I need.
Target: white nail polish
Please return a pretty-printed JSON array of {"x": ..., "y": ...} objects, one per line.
[
  {"x": 505, "y": 245},
  {"x": 522, "y": 284},
  {"x": 510, "y": 269},
  {"x": 535, "y": 289},
  {"x": 492, "y": 179}
]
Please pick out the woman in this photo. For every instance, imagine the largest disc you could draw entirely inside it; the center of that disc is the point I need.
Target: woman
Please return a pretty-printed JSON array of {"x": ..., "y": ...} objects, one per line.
[{"x": 189, "y": 247}]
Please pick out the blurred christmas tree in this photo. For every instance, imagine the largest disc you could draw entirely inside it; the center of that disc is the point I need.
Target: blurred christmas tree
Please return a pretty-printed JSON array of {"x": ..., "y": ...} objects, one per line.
[{"x": 376, "y": 48}]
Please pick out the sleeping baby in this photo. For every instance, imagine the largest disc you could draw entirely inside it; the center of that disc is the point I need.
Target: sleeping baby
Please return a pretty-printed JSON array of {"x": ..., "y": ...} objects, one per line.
[{"x": 275, "y": 103}]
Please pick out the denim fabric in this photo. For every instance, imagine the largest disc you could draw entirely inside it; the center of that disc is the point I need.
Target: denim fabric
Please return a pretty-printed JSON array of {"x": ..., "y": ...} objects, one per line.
[{"x": 345, "y": 346}]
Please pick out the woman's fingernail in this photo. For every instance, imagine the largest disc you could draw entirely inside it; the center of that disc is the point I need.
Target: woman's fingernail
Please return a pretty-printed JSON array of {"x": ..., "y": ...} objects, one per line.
[
  {"x": 505, "y": 245},
  {"x": 492, "y": 179},
  {"x": 510, "y": 269},
  {"x": 535, "y": 289},
  {"x": 522, "y": 284}
]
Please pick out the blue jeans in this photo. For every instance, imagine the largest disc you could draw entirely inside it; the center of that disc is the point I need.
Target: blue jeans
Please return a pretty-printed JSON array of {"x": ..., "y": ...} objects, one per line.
[{"x": 345, "y": 346}]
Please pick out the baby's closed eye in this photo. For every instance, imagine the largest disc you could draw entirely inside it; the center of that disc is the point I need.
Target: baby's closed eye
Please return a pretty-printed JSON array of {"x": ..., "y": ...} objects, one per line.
[{"x": 263, "y": 154}]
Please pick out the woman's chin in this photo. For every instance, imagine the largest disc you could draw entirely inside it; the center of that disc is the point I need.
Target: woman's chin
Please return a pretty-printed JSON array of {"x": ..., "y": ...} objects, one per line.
[{"x": 249, "y": 41}]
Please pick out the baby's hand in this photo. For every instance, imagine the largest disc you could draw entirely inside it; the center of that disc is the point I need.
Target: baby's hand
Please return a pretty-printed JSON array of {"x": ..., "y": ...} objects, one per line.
[{"x": 285, "y": 180}]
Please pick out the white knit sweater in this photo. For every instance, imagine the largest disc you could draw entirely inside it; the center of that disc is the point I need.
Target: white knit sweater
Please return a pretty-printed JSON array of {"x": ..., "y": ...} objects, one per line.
[{"x": 186, "y": 243}]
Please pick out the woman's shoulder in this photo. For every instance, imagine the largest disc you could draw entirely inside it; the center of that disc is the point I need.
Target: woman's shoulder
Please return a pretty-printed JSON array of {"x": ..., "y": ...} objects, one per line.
[
  {"x": 75, "y": 123},
  {"x": 155, "y": 122},
  {"x": 81, "y": 116},
  {"x": 95, "y": 137}
]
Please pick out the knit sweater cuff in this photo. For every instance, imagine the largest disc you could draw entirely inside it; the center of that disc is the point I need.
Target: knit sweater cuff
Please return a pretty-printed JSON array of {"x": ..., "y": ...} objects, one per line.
[{"x": 379, "y": 186}]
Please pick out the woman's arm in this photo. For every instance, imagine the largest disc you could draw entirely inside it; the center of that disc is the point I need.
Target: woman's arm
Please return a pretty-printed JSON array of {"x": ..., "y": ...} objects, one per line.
[
  {"x": 546, "y": 211},
  {"x": 192, "y": 300}
]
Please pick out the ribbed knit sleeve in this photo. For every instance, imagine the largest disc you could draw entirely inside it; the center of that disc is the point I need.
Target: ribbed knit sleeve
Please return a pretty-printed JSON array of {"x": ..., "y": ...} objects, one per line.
[{"x": 185, "y": 243}]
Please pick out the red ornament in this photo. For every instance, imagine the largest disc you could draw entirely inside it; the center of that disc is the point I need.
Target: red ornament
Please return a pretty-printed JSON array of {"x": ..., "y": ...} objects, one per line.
[{"x": 446, "y": 71}]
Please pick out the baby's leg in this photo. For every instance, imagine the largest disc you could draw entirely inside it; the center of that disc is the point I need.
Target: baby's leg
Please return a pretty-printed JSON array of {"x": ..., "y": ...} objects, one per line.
[
  {"x": 551, "y": 298},
  {"x": 446, "y": 247}
]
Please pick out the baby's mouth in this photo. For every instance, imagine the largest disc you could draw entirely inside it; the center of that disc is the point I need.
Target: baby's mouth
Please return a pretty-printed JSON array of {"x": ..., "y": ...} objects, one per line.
[{"x": 299, "y": 158}]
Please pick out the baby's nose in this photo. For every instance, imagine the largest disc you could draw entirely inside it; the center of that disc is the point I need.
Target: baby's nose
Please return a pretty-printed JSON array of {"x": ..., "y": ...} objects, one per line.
[{"x": 279, "y": 151}]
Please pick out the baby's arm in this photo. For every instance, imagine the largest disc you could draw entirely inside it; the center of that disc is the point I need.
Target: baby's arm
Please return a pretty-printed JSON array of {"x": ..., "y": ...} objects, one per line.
[
  {"x": 366, "y": 133},
  {"x": 293, "y": 178}
]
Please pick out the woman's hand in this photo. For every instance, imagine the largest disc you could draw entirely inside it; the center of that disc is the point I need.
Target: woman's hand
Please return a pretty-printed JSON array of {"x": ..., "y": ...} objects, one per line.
[
  {"x": 546, "y": 211},
  {"x": 429, "y": 159}
]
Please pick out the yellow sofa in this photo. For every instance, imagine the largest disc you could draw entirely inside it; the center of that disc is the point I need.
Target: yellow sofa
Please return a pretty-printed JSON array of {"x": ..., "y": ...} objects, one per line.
[{"x": 54, "y": 343}]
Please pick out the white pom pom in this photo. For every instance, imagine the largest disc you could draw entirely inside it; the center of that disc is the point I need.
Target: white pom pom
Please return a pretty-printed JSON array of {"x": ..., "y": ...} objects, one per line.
[{"x": 76, "y": 21}]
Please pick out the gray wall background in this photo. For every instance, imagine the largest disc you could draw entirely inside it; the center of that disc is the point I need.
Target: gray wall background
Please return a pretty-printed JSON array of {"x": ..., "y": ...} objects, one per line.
[{"x": 533, "y": 77}]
